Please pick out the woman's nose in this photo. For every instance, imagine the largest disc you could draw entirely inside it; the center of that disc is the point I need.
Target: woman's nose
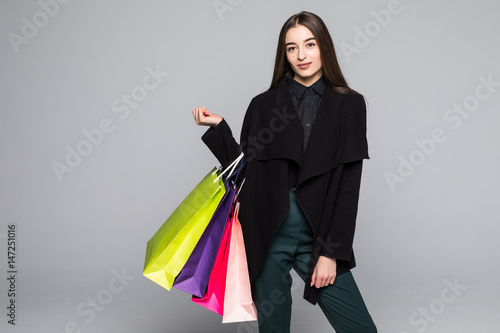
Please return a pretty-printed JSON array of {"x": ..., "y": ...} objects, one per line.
[{"x": 301, "y": 55}]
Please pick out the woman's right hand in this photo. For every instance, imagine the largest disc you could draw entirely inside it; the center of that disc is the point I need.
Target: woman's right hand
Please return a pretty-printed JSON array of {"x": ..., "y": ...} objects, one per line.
[{"x": 203, "y": 117}]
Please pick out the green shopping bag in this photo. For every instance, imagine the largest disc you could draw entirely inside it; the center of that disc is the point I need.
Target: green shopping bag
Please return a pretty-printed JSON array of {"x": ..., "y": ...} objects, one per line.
[{"x": 169, "y": 249}]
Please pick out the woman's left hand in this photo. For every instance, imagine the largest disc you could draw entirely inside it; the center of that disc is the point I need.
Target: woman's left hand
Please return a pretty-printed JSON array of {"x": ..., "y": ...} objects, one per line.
[{"x": 324, "y": 273}]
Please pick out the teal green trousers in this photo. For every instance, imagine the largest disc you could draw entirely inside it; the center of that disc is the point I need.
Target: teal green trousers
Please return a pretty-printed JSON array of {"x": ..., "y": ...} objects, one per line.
[{"x": 341, "y": 302}]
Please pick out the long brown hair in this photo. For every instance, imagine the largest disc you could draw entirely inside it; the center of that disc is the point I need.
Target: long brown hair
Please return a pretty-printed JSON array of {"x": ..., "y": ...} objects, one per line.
[{"x": 331, "y": 69}]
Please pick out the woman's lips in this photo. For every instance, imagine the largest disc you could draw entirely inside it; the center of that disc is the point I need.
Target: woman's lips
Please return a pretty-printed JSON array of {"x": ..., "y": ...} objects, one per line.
[{"x": 304, "y": 66}]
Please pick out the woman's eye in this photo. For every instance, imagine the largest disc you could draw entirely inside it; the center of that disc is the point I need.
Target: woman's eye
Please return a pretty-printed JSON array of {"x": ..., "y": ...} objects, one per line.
[
  {"x": 291, "y": 48},
  {"x": 311, "y": 44}
]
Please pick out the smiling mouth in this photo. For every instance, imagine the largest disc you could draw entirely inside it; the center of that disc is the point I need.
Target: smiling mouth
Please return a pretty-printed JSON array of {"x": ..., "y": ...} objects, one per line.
[{"x": 304, "y": 66}]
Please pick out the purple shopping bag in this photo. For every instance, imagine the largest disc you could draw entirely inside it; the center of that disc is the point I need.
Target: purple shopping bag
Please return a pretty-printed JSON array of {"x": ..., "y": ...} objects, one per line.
[{"x": 196, "y": 272}]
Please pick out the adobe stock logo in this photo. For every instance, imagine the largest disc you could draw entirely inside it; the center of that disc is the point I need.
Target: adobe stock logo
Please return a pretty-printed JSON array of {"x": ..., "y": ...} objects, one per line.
[
  {"x": 31, "y": 28},
  {"x": 266, "y": 135},
  {"x": 95, "y": 304},
  {"x": 223, "y": 6},
  {"x": 454, "y": 116},
  {"x": 94, "y": 137},
  {"x": 363, "y": 37},
  {"x": 426, "y": 315}
]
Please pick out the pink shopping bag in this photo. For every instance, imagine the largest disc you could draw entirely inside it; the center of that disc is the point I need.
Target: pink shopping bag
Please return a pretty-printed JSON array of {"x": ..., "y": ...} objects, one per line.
[
  {"x": 238, "y": 303},
  {"x": 214, "y": 296}
]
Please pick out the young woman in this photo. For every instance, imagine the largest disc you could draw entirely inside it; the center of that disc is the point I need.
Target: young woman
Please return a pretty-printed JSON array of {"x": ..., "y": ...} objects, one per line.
[{"x": 304, "y": 141}]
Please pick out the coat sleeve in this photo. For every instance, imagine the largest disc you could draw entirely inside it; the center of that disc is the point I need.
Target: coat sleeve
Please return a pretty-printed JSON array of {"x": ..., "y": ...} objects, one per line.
[
  {"x": 340, "y": 235},
  {"x": 222, "y": 144}
]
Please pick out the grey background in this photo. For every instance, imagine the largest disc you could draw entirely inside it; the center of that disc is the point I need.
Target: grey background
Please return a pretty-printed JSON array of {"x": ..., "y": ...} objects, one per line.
[{"x": 440, "y": 224}]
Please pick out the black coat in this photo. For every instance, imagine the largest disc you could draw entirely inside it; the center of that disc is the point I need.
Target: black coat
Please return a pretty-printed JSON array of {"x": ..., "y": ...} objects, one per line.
[{"x": 326, "y": 178}]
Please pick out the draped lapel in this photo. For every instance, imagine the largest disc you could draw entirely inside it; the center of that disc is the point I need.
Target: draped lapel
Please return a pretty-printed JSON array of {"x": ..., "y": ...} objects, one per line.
[
  {"x": 281, "y": 133},
  {"x": 324, "y": 141},
  {"x": 279, "y": 127}
]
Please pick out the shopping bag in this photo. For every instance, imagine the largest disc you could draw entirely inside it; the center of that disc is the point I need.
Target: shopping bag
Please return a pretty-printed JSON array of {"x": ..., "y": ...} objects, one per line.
[
  {"x": 194, "y": 276},
  {"x": 214, "y": 296},
  {"x": 238, "y": 303},
  {"x": 170, "y": 247}
]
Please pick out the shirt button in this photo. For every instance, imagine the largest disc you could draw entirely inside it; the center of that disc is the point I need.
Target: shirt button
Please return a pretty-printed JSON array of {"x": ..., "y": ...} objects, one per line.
[{"x": 308, "y": 124}]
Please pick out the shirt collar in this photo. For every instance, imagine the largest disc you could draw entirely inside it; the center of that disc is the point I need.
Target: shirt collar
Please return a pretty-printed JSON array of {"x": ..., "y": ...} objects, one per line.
[{"x": 298, "y": 89}]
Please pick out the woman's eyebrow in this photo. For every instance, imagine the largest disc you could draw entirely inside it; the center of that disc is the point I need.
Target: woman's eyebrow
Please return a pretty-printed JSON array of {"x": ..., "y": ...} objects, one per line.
[{"x": 310, "y": 38}]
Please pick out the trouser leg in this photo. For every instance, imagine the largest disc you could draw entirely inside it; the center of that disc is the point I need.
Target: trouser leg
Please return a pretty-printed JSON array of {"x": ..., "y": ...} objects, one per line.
[
  {"x": 345, "y": 308},
  {"x": 341, "y": 302},
  {"x": 271, "y": 288},
  {"x": 271, "y": 294}
]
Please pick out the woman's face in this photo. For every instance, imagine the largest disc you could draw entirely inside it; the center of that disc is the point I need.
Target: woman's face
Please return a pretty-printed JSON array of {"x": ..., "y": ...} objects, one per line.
[{"x": 303, "y": 54}]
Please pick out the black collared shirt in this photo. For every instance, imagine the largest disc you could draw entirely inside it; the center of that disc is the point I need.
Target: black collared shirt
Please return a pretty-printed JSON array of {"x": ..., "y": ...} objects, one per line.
[{"x": 306, "y": 101}]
